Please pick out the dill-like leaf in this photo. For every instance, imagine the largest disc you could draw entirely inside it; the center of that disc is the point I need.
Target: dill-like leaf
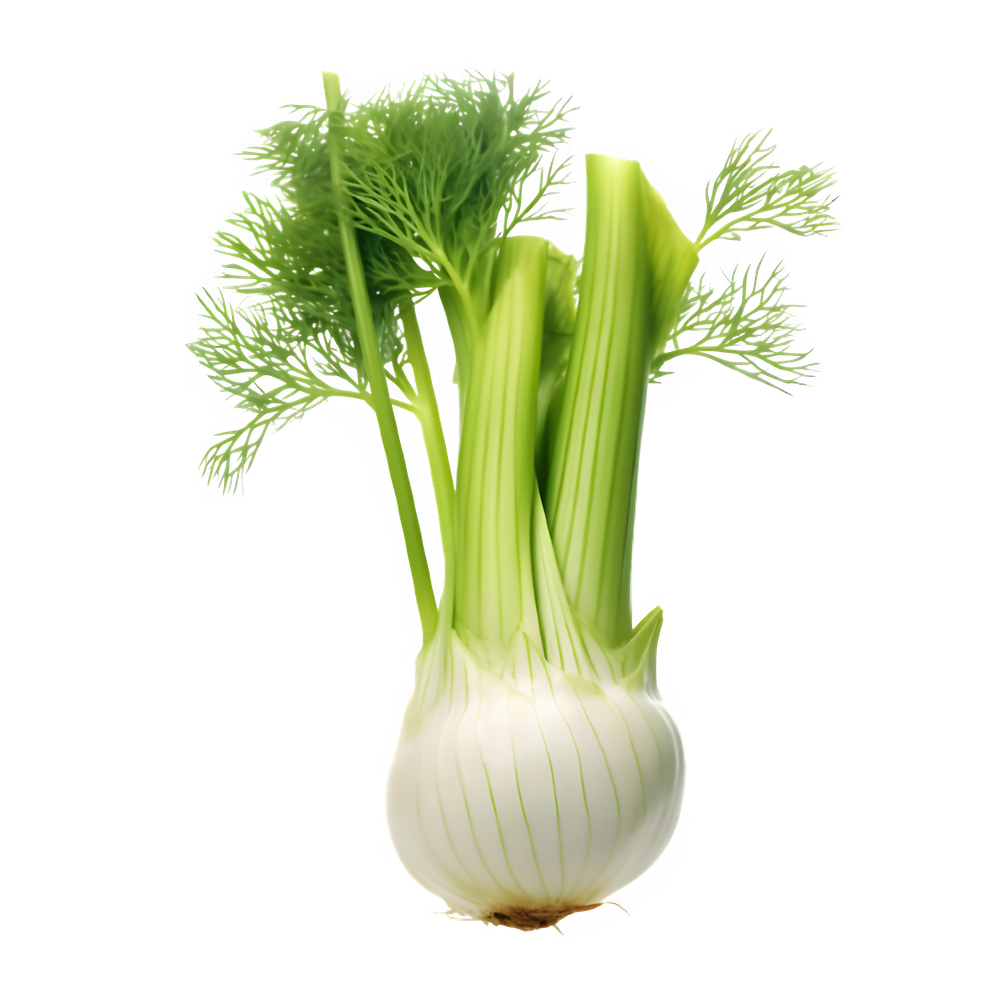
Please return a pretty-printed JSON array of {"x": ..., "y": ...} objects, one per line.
[
  {"x": 747, "y": 326},
  {"x": 552, "y": 177},
  {"x": 296, "y": 261},
  {"x": 447, "y": 166},
  {"x": 751, "y": 193},
  {"x": 259, "y": 356}
]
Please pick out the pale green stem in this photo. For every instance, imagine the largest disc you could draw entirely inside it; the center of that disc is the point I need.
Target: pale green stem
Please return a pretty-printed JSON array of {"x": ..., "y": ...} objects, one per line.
[
  {"x": 590, "y": 502},
  {"x": 381, "y": 402},
  {"x": 459, "y": 321},
  {"x": 494, "y": 595},
  {"x": 433, "y": 435}
]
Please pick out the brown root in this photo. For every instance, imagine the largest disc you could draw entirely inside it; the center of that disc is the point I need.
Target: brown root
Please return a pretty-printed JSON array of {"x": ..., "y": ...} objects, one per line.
[{"x": 535, "y": 919}]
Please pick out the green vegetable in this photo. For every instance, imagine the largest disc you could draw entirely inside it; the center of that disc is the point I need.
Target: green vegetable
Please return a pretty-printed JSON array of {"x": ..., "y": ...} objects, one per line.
[{"x": 537, "y": 770}]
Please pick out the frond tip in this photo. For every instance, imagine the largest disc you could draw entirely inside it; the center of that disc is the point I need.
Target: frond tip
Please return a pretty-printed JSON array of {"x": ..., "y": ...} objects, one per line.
[
  {"x": 552, "y": 178},
  {"x": 747, "y": 326},
  {"x": 751, "y": 193},
  {"x": 231, "y": 456},
  {"x": 259, "y": 357}
]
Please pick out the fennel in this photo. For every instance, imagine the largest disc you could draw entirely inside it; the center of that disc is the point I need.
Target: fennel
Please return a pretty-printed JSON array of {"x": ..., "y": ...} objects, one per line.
[{"x": 537, "y": 770}]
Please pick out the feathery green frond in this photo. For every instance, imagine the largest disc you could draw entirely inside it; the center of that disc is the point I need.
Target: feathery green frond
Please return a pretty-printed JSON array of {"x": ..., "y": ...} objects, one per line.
[
  {"x": 295, "y": 260},
  {"x": 751, "y": 193},
  {"x": 747, "y": 326},
  {"x": 552, "y": 177},
  {"x": 259, "y": 356},
  {"x": 447, "y": 166},
  {"x": 232, "y": 455}
]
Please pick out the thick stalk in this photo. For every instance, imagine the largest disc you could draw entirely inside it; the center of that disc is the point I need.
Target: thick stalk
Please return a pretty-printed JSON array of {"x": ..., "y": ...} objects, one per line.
[
  {"x": 590, "y": 501},
  {"x": 433, "y": 435},
  {"x": 380, "y": 399},
  {"x": 494, "y": 595},
  {"x": 466, "y": 301}
]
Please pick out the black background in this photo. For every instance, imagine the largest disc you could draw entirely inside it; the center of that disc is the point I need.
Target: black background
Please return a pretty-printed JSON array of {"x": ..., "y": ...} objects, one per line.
[{"x": 293, "y": 629}]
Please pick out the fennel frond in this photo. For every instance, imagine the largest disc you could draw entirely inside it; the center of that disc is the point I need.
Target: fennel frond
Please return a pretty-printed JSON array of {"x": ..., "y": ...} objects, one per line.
[
  {"x": 751, "y": 193},
  {"x": 746, "y": 326}
]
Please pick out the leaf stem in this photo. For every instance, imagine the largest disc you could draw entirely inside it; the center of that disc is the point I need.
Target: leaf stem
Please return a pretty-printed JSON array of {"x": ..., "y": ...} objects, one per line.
[
  {"x": 380, "y": 400},
  {"x": 433, "y": 435}
]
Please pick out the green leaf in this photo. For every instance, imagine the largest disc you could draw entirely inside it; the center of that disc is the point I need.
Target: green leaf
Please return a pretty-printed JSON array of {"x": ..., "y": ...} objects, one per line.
[
  {"x": 291, "y": 253},
  {"x": 259, "y": 356},
  {"x": 447, "y": 166},
  {"x": 747, "y": 326},
  {"x": 552, "y": 178},
  {"x": 752, "y": 193}
]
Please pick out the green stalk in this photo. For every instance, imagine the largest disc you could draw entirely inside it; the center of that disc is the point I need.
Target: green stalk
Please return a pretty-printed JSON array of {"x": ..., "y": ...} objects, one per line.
[
  {"x": 466, "y": 300},
  {"x": 463, "y": 336},
  {"x": 433, "y": 435},
  {"x": 494, "y": 594},
  {"x": 590, "y": 502},
  {"x": 380, "y": 400}
]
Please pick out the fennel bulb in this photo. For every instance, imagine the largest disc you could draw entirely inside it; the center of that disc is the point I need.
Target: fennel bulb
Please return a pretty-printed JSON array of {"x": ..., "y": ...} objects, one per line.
[
  {"x": 524, "y": 790},
  {"x": 537, "y": 771}
]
